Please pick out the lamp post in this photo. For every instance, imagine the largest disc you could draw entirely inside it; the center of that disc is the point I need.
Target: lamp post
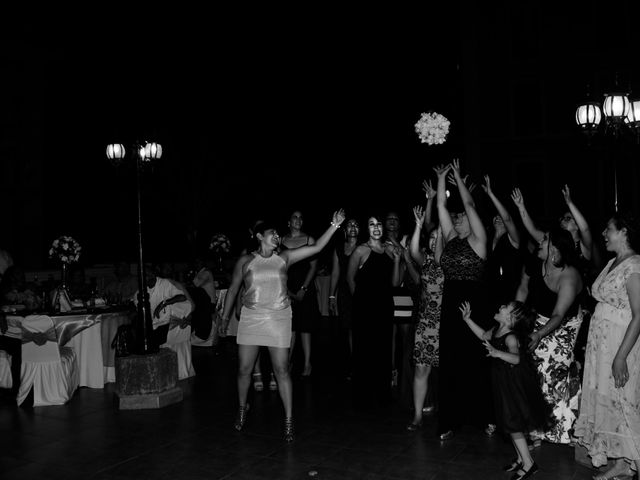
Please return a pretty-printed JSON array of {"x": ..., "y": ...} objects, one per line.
[
  {"x": 143, "y": 155},
  {"x": 620, "y": 115}
]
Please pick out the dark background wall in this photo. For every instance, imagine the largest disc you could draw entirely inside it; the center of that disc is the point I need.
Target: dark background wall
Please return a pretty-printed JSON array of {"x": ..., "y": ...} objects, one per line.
[{"x": 259, "y": 115}]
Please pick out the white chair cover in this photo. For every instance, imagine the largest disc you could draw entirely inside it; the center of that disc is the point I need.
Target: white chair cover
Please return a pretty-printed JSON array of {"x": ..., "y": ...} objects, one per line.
[
  {"x": 179, "y": 340},
  {"x": 88, "y": 347},
  {"x": 5, "y": 370},
  {"x": 51, "y": 370}
]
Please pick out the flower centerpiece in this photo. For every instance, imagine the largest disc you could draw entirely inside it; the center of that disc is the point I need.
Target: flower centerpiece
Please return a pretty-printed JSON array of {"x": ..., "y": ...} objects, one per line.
[
  {"x": 220, "y": 245},
  {"x": 432, "y": 128},
  {"x": 66, "y": 250}
]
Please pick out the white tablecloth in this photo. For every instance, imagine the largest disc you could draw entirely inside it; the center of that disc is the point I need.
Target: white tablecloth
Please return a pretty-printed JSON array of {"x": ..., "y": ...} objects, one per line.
[{"x": 96, "y": 359}]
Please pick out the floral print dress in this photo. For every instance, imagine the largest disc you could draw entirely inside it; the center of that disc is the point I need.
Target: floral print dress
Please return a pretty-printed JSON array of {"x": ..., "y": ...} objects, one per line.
[
  {"x": 609, "y": 420},
  {"x": 425, "y": 347}
]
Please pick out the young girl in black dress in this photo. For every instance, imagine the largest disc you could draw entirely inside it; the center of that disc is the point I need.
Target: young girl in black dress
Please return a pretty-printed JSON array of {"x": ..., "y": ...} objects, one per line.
[{"x": 518, "y": 401}]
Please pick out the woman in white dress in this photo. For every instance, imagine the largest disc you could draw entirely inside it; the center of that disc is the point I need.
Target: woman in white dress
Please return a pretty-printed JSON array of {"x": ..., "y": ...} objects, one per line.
[{"x": 609, "y": 421}]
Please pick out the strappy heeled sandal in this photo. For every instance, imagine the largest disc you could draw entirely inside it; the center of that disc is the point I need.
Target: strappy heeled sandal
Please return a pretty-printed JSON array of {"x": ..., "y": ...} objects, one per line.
[
  {"x": 241, "y": 417},
  {"x": 289, "y": 429}
]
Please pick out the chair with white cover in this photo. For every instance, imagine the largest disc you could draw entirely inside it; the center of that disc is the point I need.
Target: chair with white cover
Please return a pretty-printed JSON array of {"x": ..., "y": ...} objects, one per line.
[
  {"x": 51, "y": 370},
  {"x": 179, "y": 340},
  {"x": 5, "y": 370}
]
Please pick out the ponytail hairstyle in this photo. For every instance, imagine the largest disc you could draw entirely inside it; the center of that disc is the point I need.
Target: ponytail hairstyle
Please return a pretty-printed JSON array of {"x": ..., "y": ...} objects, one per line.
[
  {"x": 260, "y": 227},
  {"x": 524, "y": 319},
  {"x": 563, "y": 241}
]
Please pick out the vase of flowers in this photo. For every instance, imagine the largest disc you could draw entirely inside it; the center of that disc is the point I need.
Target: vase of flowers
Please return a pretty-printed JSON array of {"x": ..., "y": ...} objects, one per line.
[
  {"x": 220, "y": 246},
  {"x": 66, "y": 250},
  {"x": 432, "y": 128}
]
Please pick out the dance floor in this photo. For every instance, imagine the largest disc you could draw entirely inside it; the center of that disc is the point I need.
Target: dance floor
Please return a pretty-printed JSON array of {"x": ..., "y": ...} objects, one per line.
[{"x": 90, "y": 438}]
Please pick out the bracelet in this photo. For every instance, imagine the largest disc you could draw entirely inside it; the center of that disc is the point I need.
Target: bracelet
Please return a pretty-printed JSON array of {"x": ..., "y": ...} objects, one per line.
[
  {"x": 334, "y": 224},
  {"x": 303, "y": 288}
]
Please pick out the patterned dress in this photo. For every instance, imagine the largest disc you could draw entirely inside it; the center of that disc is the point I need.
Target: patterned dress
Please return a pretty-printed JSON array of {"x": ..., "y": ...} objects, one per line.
[
  {"x": 609, "y": 421},
  {"x": 554, "y": 357},
  {"x": 426, "y": 344}
]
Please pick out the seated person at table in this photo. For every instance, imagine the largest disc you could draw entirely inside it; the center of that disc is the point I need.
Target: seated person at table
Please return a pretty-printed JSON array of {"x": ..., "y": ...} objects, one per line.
[
  {"x": 168, "y": 300},
  {"x": 16, "y": 291},
  {"x": 204, "y": 295},
  {"x": 124, "y": 287}
]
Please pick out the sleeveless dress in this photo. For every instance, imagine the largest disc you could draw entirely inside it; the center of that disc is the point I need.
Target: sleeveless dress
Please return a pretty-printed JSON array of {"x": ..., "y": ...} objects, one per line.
[
  {"x": 426, "y": 339},
  {"x": 372, "y": 330},
  {"x": 554, "y": 356},
  {"x": 344, "y": 298},
  {"x": 517, "y": 397},
  {"x": 265, "y": 317},
  {"x": 307, "y": 312},
  {"x": 609, "y": 421},
  {"x": 464, "y": 380}
]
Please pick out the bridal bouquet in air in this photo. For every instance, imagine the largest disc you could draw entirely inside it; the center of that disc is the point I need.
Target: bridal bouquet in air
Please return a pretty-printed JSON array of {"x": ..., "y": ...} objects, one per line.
[
  {"x": 220, "y": 244},
  {"x": 66, "y": 249},
  {"x": 432, "y": 128}
]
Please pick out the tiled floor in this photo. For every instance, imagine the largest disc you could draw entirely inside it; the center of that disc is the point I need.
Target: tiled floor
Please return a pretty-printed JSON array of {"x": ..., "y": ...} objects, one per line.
[{"x": 90, "y": 438}]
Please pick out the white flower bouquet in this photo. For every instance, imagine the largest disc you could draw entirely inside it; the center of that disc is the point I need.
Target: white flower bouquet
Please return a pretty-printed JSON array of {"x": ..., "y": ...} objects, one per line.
[
  {"x": 433, "y": 128},
  {"x": 220, "y": 244},
  {"x": 65, "y": 249}
]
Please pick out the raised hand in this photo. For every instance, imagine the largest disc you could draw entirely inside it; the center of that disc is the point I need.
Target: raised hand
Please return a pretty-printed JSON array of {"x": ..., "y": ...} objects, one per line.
[
  {"x": 442, "y": 170},
  {"x": 338, "y": 217},
  {"x": 517, "y": 198},
  {"x": 566, "y": 194},
  {"x": 487, "y": 185},
  {"x": 455, "y": 166},
  {"x": 418, "y": 214},
  {"x": 428, "y": 189},
  {"x": 465, "y": 310}
]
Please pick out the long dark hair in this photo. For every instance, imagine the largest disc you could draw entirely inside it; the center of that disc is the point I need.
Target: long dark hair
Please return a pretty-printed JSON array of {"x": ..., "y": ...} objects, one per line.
[{"x": 563, "y": 241}]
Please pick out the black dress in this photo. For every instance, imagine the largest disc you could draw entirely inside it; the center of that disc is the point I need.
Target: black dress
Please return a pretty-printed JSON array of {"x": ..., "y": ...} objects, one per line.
[
  {"x": 464, "y": 380},
  {"x": 372, "y": 330},
  {"x": 504, "y": 269},
  {"x": 517, "y": 396},
  {"x": 344, "y": 300},
  {"x": 307, "y": 312}
]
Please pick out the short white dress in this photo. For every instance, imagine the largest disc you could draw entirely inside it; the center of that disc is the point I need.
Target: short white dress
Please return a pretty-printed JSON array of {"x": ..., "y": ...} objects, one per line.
[{"x": 265, "y": 317}]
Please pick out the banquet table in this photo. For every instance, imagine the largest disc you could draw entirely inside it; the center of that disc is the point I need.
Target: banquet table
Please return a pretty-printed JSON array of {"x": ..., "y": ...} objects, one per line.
[{"x": 90, "y": 335}]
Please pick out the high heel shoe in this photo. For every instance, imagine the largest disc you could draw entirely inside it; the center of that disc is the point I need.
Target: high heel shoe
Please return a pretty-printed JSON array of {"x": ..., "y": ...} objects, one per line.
[
  {"x": 448, "y": 435},
  {"x": 289, "y": 429},
  {"x": 521, "y": 474},
  {"x": 241, "y": 417},
  {"x": 413, "y": 426},
  {"x": 258, "y": 386},
  {"x": 514, "y": 465}
]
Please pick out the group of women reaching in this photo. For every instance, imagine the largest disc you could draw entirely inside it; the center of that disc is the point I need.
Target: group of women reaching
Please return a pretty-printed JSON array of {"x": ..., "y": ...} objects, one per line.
[{"x": 510, "y": 367}]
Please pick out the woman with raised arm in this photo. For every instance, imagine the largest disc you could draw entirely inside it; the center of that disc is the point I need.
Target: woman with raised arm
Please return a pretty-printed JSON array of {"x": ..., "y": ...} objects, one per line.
[
  {"x": 426, "y": 338},
  {"x": 609, "y": 421},
  {"x": 373, "y": 271},
  {"x": 504, "y": 266},
  {"x": 265, "y": 318},
  {"x": 551, "y": 284},
  {"x": 463, "y": 262}
]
